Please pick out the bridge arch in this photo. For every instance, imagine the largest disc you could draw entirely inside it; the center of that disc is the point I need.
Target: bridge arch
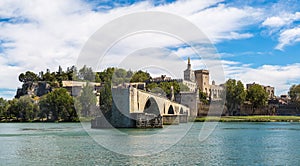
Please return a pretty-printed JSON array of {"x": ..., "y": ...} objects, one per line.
[
  {"x": 171, "y": 110},
  {"x": 151, "y": 106},
  {"x": 181, "y": 111}
]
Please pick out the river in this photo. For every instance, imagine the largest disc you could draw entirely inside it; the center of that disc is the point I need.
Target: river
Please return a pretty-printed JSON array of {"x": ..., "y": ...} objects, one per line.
[{"x": 229, "y": 144}]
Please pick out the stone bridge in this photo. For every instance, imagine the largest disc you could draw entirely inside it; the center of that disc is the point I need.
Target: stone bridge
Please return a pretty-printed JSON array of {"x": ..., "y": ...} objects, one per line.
[
  {"x": 137, "y": 108},
  {"x": 145, "y": 102}
]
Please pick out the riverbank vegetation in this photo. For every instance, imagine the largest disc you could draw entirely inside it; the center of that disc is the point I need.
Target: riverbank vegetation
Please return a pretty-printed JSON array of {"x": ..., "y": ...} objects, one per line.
[
  {"x": 57, "y": 104},
  {"x": 54, "y": 103}
]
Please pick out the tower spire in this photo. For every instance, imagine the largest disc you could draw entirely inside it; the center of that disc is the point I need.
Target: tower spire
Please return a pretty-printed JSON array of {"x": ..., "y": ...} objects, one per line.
[{"x": 189, "y": 64}]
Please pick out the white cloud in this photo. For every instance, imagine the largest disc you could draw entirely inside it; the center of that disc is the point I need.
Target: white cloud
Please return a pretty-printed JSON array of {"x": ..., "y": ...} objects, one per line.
[
  {"x": 283, "y": 20},
  {"x": 274, "y": 22},
  {"x": 44, "y": 35},
  {"x": 288, "y": 37},
  {"x": 222, "y": 22},
  {"x": 286, "y": 28}
]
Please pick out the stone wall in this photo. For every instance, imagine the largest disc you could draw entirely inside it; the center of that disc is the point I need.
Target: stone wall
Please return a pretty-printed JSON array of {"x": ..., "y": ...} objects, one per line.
[
  {"x": 170, "y": 119},
  {"x": 215, "y": 108},
  {"x": 120, "y": 116},
  {"x": 189, "y": 99}
]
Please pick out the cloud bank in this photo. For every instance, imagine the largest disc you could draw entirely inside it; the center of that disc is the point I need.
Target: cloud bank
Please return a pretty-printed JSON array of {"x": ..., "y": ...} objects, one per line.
[{"x": 36, "y": 35}]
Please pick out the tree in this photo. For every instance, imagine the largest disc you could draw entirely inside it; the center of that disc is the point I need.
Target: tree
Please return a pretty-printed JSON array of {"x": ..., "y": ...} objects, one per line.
[
  {"x": 59, "y": 104},
  {"x": 129, "y": 74},
  {"x": 121, "y": 76},
  {"x": 72, "y": 73},
  {"x": 106, "y": 100},
  {"x": 121, "y": 73},
  {"x": 154, "y": 88},
  {"x": 257, "y": 96},
  {"x": 60, "y": 76},
  {"x": 203, "y": 97},
  {"x": 28, "y": 76},
  {"x": 3, "y": 107},
  {"x": 87, "y": 100},
  {"x": 86, "y": 73},
  {"x": 183, "y": 88},
  {"x": 22, "y": 109},
  {"x": 49, "y": 77},
  {"x": 12, "y": 110},
  {"x": 25, "y": 108},
  {"x": 140, "y": 76},
  {"x": 294, "y": 93},
  {"x": 106, "y": 75},
  {"x": 164, "y": 87},
  {"x": 97, "y": 77},
  {"x": 151, "y": 86},
  {"x": 235, "y": 95}
]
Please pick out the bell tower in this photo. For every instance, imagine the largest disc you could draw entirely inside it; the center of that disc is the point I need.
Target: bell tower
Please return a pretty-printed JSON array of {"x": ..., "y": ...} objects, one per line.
[{"x": 189, "y": 73}]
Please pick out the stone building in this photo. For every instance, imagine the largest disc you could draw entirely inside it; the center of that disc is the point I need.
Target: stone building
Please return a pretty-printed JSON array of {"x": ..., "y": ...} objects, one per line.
[
  {"x": 189, "y": 78},
  {"x": 202, "y": 80},
  {"x": 199, "y": 80},
  {"x": 75, "y": 88},
  {"x": 191, "y": 85},
  {"x": 270, "y": 91},
  {"x": 189, "y": 73},
  {"x": 216, "y": 91}
]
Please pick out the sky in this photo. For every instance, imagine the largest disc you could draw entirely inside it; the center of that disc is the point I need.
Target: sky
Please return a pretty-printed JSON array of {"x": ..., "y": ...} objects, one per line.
[{"x": 256, "y": 41}]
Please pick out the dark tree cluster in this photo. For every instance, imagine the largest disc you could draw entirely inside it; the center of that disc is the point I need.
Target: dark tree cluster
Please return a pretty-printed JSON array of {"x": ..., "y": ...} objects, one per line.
[
  {"x": 294, "y": 93},
  {"x": 57, "y": 105},
  {"x": 165, "y": 88},
  {"x": 55, "y": 78}
]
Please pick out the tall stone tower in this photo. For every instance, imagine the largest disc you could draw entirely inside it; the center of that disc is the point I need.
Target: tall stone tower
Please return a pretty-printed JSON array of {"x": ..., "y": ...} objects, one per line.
[
  {"x": 202, "y": 80},
  {"x": 189, "y": 73}
]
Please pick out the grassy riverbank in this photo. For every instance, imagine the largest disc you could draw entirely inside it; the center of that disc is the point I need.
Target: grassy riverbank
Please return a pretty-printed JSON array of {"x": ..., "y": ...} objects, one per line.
[{"x": 258, "y": 118}]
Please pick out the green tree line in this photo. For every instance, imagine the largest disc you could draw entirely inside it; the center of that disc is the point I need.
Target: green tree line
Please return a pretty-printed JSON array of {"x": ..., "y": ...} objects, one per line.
[
  {"x": 58, "y": 105},
  {"x": 236, "y": 95}
]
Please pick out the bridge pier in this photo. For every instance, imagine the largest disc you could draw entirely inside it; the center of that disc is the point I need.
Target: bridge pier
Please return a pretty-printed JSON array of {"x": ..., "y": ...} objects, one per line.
[
  {"x": 147, "y": 120},
  {"x": 183, "y": 118},
  {"x": 170, "y": 119}
]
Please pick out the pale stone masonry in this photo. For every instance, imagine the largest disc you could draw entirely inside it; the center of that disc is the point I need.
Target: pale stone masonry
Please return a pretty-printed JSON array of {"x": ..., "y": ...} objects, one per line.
[
  {"x": 189, "y": 73},
  {"x": 199, "y": 80},
  {"x": 202, "y": 80}
]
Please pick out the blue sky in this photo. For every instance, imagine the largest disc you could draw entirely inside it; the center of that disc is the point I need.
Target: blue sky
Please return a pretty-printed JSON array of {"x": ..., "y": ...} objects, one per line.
[{"x": 258, "y": 41}]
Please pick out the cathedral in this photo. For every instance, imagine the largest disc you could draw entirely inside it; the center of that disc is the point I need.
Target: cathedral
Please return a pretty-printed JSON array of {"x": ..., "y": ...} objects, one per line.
[{"x": 199, "y": 80}]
